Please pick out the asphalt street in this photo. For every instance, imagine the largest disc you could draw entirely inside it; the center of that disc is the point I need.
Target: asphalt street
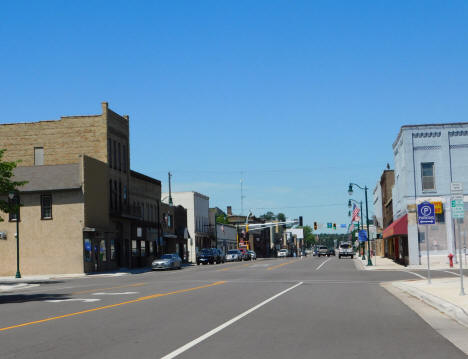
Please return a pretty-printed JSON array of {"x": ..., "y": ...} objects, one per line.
[{"x": 274, "y": 308}]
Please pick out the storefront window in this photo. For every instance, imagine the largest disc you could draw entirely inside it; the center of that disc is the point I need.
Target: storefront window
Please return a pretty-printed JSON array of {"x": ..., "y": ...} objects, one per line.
[
  {"x": 134, "y": 247},
  {"x": 143, "y": 248},
  {"x": 102, "y": 250},
  {"x": 151, "y": 247},
  {"x": 87, "y": 249},
  {"x": 112, "y": 250}
]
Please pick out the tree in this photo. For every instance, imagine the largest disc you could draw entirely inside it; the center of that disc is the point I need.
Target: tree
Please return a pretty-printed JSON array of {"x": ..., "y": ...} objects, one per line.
[
  {"x": 309, "y": 238},
  {"x": 222, "y": 218},
  {"x": 281, "y": 217},
  {"x": 268, "y": 216},
  {"x": 6, "y": 183}
]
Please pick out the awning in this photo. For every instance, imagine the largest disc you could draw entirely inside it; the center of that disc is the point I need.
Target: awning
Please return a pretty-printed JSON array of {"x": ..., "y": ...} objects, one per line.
[{"x": 397, "y": 228}]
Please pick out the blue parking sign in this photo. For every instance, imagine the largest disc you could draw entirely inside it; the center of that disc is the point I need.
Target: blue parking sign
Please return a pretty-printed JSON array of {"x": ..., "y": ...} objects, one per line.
[{"x": 426, "y": 213}]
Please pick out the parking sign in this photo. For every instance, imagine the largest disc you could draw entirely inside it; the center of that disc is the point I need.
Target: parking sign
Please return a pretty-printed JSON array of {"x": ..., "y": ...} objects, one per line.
[{"x": 426, "y": 213}]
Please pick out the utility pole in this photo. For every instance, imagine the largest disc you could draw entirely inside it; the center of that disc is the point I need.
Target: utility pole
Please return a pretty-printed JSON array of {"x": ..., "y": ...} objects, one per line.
[
  {"x": 242, "y": 193},
  {"x": 170, "y": 195}
]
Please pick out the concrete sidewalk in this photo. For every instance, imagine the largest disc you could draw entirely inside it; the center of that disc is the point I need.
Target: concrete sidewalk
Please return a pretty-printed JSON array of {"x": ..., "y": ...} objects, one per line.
[
  {"x": 443, "y": 294},
  {"x": 381, "y": 263}
]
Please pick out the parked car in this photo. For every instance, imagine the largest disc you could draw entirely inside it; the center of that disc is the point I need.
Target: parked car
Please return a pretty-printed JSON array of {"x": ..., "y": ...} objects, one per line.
[
  {"x": 323, "y": 251},
  {"x": 205, "y": 256},
  {"x": 282, "y": 253},
  {"x": 346, "y": 250},
  {"x": 245, "y": 254},
  {"x": 332, "y": 251},
  {"x": 253, "y": 255},
  {"x": 218, "y": 255},
  {"x": 234, "y": 255},
  {"x": 315, "y": 253},
  {"x": 167, "y": 261}
]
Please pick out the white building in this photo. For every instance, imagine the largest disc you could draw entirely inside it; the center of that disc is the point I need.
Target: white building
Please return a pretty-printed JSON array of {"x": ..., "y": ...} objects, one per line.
[
  {"x": 198, "y": 225},
  {"x": 427, "y": 159},
  {"x": 377, "y": 202}
]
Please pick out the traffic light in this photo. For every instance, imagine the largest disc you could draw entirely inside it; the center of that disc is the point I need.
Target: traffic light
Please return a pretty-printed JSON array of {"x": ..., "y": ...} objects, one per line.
[
  {"x": 300, "y": 221},
  {"x": 315, "y": 226},
  {"x": 334, "y": 225}
]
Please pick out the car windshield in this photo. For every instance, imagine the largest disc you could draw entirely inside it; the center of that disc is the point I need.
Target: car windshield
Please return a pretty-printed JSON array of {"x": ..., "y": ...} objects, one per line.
[
  {"x": 233, "y": 252},
  {"x": 323, "y": 247},
  {"x": 345, "y": 246},
  {"x": 205, "y": 251},
  {"x": 166, "y": 256},
  {"x": 282, "y": 250}
]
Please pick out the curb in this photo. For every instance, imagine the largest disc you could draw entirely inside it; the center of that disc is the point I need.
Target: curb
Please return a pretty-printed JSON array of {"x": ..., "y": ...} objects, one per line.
[{"x": 450, "y": 309}]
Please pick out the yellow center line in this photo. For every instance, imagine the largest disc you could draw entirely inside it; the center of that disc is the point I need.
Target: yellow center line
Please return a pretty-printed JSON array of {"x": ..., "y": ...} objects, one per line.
[
  {"x": 157, "y": 295},
  {"x": 233, "y": 267},
  {"x": 279, "y": 265},
  {"x": 109, "y": 288}
]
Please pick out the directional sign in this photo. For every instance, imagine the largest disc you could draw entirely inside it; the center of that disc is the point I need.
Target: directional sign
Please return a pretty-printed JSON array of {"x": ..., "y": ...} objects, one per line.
[
  {"x": 458, "y": 207},
  {"x": 362, "y": 235},
  {"x": 426, "y": 213},
  {"x": 456, "y": 188}
]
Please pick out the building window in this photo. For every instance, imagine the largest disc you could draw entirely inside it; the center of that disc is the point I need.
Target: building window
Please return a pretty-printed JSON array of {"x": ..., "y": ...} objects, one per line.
[
  {"x": 38, "y": 156},
  {"x": 109, "y": 152},
  {"x": 46, "y": 206},
  {"x": 111, "y": 198},
  {"x": 143, "y": 248},
  {"x": 115, "y": 195},
  {"x": 427, "y": 176},
  {"x": 125, "y": 193},
  {"x": 120, "y": 159},
  {"x": 169, "y": 221},
  {"x": 102, "y": 250},
  {"x": 112, "y": 250},
  {"x": 120, "y": 194},
  {"x": 124, "y": 158},
  {"x": 115, "y": 155},
  {"x": 134, "y": 248}
]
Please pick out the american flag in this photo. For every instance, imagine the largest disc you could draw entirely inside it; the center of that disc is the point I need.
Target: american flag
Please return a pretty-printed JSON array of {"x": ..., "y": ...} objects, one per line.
[{"x": 355, "y": 216}]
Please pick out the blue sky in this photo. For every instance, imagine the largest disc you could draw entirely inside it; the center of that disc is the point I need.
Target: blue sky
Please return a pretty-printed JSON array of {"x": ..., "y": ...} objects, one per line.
[{"x": 300, "y": 97}]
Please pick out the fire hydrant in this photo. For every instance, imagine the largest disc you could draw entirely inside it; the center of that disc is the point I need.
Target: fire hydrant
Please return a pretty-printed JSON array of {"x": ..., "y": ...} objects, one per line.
[{"x": 450, "y": 256}]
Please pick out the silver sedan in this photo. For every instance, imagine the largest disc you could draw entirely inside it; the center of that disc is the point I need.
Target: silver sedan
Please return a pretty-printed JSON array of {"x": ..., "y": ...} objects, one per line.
[{"x": 167, "y": 261}]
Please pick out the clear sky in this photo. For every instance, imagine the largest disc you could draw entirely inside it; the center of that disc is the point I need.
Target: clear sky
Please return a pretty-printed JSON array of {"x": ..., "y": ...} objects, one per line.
[{"x": 296, "y": 97}]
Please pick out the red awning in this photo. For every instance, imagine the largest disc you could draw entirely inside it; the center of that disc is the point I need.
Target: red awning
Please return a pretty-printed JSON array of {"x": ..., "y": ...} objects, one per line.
[{"x": 397, "y": 228}]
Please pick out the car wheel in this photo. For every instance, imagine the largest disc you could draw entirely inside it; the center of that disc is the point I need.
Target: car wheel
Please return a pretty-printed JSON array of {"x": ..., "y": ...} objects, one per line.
[
  {"x": 198, "y": 263},
  {"x": 352, "y": 257},
  {"x": 339, "y": 257}
]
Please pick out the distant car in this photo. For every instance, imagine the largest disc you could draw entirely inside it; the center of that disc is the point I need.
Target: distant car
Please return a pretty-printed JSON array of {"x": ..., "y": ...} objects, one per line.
[
  {"x": 253, "y": 255},
  {"x": 346, "y": 250},
  {"x": 332, "y": 252},
  {"x": 282, "y": 253},
  {"x": 167, "y": 261},
  {"x": 245, "y": 254},
  {"x": 315, "y": 252},
  {"x": 205, "y": 256},
  {"x": 233, "y": 255},
  {"x": 323, "y": 251},
  {"x": 218, "y": 255}
]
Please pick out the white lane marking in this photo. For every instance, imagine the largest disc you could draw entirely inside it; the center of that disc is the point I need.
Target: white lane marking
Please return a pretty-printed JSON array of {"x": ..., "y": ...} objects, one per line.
[
  {"x": 84, "y": 300},
  {"x": 117, "y": 293},
  {"x": 320, "y": 266},
  {"x": 446, "y": 271},
  {"x": 416, "y": 274},
  {"x": 212, "y": 332}
]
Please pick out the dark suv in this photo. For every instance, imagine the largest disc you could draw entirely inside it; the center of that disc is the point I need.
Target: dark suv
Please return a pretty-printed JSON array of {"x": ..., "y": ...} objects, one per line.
[
  {"x": 218, "y": 255},
  {"x": 205, "y": 256}
]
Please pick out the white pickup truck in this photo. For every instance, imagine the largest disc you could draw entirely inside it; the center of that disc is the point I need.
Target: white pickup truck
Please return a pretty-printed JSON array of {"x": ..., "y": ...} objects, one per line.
[{"x": 346, "y": 250}]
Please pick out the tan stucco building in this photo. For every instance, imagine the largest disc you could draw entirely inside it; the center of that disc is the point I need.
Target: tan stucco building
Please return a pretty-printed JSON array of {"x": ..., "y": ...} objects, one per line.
[{"x": 105, "y": 216}]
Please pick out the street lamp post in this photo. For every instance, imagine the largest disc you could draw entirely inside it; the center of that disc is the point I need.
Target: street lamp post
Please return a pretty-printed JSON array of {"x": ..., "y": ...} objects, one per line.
[
  {"x": 362, "y": 224},
  {"x": 14, "y": 197},
  {"x": 350, "y": 192}
]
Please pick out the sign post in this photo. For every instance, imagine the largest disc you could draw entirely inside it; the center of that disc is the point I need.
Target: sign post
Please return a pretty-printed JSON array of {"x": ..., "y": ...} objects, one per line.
[
  {"x": 426, "y": 216},
  {"x": 458, "y": 214}
]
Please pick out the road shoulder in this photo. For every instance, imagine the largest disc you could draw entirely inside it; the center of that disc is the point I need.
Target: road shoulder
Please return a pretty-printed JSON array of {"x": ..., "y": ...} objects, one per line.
[{"x": 450, "y": 329}]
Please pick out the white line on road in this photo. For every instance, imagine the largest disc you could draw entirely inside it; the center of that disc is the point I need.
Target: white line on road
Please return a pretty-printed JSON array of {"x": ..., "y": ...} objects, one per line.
[
  {"x": 84, "y": 300},
  {"x": 455, "y": 274},
  {"x": 320, "y": 266},
  {"x": 416, "y": 274},
  {"x": 212, "y": 332},
  {"x": 117, "y": 293}
]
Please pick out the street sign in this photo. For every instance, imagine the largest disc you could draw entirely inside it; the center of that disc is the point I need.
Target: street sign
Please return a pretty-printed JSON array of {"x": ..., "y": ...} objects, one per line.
[
  {"x": 458, "y": 207},
  {"x": 456, "y": 188},
  {"x": 329, "y": 225},
  {"x": 343, "y": 225},
  {"x": 362, "y": 235},
  {"x": 426, "y": 213},
  {"x": 438, "y": 207}
]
